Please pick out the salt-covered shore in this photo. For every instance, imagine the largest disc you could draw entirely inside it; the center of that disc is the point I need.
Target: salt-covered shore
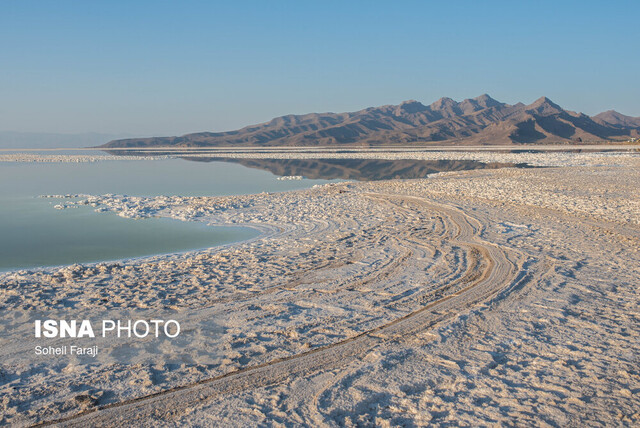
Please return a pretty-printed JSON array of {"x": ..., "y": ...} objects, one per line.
[
  {"x": 533, "y": 158},
  {"x": 482, "y": 297},
  {"x": 549, "y": 156},
  {"x": 67, "y": 158}
]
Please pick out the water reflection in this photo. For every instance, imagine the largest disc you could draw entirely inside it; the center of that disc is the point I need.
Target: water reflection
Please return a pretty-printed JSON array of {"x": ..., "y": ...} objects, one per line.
[{"x": 357, "y": 169}]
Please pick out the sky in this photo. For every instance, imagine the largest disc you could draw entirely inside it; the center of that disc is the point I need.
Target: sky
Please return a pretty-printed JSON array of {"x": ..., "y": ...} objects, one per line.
[{"x": 172, "y": 67}]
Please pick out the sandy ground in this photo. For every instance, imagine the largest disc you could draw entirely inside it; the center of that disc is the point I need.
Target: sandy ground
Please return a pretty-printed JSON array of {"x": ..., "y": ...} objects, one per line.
[{"x": 471, "y": 298}]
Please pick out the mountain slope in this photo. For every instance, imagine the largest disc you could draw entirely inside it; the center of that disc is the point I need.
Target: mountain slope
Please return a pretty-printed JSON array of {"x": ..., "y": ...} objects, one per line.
[
  {"x": 480, "y": 120},
  {"x": 619, "y": 120}
]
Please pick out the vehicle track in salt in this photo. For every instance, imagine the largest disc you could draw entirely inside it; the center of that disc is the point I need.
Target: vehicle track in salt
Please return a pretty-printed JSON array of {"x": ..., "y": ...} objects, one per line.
[{"x": 491, "y": 269}]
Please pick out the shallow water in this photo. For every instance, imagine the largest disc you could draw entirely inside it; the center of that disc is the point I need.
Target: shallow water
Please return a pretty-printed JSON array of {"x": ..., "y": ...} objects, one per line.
[{"x": 34, "y": 234}]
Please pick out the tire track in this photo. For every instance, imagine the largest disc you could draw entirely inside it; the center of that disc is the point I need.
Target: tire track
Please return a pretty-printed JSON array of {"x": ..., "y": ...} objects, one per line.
[{"x": 491, "y": 272}]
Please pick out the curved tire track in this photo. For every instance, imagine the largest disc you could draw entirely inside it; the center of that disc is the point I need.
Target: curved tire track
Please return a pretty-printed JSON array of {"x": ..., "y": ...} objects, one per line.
[{"x": 492, "y": 272}]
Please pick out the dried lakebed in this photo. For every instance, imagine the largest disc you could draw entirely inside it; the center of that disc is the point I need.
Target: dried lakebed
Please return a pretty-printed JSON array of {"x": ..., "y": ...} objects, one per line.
[{"x": 472, "y": 297}]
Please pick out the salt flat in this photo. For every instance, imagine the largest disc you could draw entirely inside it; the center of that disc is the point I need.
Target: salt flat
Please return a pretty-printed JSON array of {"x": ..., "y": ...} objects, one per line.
[{"x": 503, "y": 296}]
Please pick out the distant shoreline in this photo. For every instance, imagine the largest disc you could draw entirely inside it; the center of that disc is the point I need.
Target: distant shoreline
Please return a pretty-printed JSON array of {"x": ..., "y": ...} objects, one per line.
[{"x": 348, "y": 148}]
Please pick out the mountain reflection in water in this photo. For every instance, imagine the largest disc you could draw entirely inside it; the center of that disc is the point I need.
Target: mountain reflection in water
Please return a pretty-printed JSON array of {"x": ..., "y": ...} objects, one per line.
[{"x": 357, "y": 169}]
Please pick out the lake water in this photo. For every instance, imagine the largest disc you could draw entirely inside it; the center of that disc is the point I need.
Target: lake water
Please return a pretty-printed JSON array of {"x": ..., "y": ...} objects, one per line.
[{"x": 34, "y": 234}]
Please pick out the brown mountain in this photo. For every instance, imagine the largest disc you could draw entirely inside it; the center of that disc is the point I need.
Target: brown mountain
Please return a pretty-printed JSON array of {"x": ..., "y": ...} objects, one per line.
[
  {"x": 480, "y": 120},
  {"x": 618, "y": 120}
]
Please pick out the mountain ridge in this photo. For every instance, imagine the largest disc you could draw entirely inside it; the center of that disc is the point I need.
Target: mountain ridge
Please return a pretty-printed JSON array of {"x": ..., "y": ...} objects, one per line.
[{"x": 480, "y": 120}]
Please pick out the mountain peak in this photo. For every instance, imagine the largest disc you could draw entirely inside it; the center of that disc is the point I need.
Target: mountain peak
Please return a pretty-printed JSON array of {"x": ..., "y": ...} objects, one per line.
[
  {"x": 612, "y": 117},
  {"x": 486, "y": 101},
  {"x": 484, "y": 97},
  {"x": 543, "y": 101},
  {"x": 444, "y": 103},
  {"x": 410, "y": 106},
  {"x": 446, "y": 107},
  {"x": 544, "y": 105}
]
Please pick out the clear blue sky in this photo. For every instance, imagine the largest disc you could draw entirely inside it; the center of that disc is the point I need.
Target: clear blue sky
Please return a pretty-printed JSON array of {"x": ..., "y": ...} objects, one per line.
[{"x": 172, "y": 67}]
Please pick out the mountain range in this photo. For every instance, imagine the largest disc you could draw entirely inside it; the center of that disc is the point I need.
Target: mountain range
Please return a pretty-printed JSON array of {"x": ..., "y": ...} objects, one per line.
[{"x": 476, "y": 121}]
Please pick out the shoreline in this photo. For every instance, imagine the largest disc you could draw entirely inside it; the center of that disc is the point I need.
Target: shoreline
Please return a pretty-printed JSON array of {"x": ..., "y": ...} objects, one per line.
[
  {"x": 262, "y": 231},
  {"x": 531, "y": 157},
  {"x": 355, "y": 147}
]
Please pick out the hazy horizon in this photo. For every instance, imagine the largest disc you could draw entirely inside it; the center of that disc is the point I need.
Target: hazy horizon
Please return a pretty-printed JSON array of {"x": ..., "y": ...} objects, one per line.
[{"x": 153, "y": 69}]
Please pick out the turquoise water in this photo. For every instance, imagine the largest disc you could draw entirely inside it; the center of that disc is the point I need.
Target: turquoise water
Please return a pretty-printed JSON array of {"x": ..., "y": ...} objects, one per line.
[{"x": 34, "y": 234}]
